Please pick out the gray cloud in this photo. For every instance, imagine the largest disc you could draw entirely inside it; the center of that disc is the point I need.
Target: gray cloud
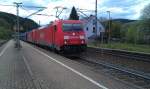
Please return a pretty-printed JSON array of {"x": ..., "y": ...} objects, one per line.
[
  {"x": 120, "y": 8},
  {"x": 121, "y": 3},
  {"x": 130, "y": 8}
]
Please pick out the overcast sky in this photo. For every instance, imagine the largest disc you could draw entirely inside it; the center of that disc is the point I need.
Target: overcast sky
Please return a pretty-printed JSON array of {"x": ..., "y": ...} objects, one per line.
[{"x": 129, "y": 9}]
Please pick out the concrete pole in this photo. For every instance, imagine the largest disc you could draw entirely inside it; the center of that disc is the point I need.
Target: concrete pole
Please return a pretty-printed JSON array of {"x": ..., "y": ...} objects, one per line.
[
  {"x": 17, "y": 10},
  {"x": 96, "y": 18},
  {"x": 39, "y": 23},
  {"x": 109, "y": 33}
]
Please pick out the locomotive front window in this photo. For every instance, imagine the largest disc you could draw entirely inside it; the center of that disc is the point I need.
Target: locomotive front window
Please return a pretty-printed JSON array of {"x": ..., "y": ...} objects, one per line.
[{"x": 72, "y": 27}]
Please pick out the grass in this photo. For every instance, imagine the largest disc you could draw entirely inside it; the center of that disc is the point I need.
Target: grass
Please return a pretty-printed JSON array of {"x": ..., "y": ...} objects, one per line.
[{"x": 123, "y": 46}]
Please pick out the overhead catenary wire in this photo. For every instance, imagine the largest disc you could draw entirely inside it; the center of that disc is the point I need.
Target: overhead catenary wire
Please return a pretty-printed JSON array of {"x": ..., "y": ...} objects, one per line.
[
  {"x": 24, "y": 9},
  {"x": 58, "y": 11},
  {"x": 34, "y": 13},
  {"x": 34, "y": 6},
  {"x": 44, "y": 15},
  {"x": 6, "y": 5},
  {"x": 25, "y": 6},
  {"x": 18, "y": 5}
]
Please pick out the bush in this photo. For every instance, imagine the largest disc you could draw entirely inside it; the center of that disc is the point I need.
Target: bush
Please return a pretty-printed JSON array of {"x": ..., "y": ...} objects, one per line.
[{"x": 5, "y": 33}]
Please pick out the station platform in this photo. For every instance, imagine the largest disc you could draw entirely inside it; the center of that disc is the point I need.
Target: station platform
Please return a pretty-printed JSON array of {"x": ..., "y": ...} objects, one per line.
[{"x": 35, "y": 68}]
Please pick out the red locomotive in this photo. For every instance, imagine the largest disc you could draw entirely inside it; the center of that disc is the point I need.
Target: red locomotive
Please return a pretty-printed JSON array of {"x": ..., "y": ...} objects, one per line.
[{"x": 61, "y": 35}]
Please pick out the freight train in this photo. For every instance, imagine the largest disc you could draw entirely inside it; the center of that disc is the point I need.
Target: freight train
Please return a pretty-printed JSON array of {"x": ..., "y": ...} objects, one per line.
[{"x": 60, "y": 35}]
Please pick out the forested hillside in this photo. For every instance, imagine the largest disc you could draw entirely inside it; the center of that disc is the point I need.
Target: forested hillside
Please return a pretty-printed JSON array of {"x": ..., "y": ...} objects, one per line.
[{"x": 8, "y": 24}]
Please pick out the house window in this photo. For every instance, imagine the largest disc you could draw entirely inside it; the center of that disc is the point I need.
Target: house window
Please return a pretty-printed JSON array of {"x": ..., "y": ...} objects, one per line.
[
  {"x": 99, "y": 28},
  {"x": 87, "y": 28},
  {"x": 55, "y": 28},
  {"x": 94, "y": 22},
  {"x": 93, "y": 29}
]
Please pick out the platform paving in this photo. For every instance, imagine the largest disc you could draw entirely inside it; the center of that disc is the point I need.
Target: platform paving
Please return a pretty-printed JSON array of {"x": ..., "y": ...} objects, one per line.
[
  {"x": 35, "y": 68},
  {"x": 13, "y": 71}
]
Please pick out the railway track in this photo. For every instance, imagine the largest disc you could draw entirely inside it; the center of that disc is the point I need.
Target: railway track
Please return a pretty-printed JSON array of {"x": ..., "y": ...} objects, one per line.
[
  {"x": 124, "y": 54},
  {"x": 129, "y": 76},
  {"x": 127, "y": 66},
  {"x": 139, "y": 79}
]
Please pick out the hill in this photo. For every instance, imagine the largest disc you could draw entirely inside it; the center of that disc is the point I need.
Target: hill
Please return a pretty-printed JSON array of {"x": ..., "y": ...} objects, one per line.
[
  {"x": 10, "y": 19},
  {"x": 123, "y": 20},
  {"x": 8, "y": 25},
  {"x": 120, "y": 21}
]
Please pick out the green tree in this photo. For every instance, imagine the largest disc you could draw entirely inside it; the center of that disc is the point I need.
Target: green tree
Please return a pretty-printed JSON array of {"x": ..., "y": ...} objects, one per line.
[
  {"x": 115, "y": 29},
  {"x": 146, "y": 12},
  {"x": 5, "y": 32},
  {"x": 131, "y": 34},
  {"x": 145, "y": 17},
  {"x": 28, "y": 24},
  {"x": 134, "y": 33},
  {"x": 4, "y": 23},
  {"x": 73, "y": 14},
  {"x": 145, "y": 24}
]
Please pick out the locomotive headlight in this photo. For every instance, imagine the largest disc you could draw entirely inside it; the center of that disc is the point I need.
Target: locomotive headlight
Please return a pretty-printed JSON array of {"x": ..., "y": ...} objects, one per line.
[
  {"x": 82, "y": 37},
  {"x": 82, "y": 42},
  {"x": 66, "y": 37},
  {"x": 65, "y": 42}
]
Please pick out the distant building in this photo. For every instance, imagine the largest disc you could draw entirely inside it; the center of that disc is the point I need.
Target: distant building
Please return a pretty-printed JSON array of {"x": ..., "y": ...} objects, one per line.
[{"x": 89, "y": 27}]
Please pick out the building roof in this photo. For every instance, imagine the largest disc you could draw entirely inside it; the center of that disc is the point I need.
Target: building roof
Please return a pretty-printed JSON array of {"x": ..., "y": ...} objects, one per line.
[{"x": 87, "y": 19}]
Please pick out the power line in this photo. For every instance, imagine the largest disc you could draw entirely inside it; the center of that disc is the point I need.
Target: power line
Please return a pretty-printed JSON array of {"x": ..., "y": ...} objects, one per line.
[
  {"x": 25, "y": 6},
  {"x": 17, "y": 5},
  {"x": 86, "y": 10},
  {"x": 6, "y": 5},
  {"x": 34, "y": 6},
  {"x": 57, "y": 10},
  {"x": 25, "y": 9},
  {"x": 82, "y": 13},
  {"x": 44, "y": 15},
  {"x": 34, "y": 13}
]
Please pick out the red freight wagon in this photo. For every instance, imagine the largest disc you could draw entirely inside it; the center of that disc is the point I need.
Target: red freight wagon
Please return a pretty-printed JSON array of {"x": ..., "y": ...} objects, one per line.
[
  {"x": 29, "y": 36},
  {"x": 33, "y": 36}
]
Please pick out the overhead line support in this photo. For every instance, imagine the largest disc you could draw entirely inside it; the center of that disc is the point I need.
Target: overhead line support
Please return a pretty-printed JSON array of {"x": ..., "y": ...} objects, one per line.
[{"x": 18, "y": 25}]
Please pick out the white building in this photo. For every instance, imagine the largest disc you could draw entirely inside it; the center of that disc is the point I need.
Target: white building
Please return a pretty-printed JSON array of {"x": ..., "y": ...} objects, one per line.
[{"x": 89, "y": 27}]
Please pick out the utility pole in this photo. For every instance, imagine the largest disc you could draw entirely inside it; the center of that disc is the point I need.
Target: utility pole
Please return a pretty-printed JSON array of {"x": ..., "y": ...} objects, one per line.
[
  {"x": 39, "y": 23},
  {"x": 96, "y": 18},
  {"x": 109, "y": 30},
  {"x": 18, "y": 27}
]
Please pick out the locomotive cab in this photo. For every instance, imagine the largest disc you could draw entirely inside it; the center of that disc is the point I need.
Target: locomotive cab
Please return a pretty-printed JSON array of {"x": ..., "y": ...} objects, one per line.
[{"x": 74, "y": 36}]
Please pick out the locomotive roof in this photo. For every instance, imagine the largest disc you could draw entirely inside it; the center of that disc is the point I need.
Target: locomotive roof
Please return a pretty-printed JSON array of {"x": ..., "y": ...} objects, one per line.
[
  {"x": 58, "y": 21},
  {"x": 68, "y": 21},
  {"x": 42, "y": 27}
]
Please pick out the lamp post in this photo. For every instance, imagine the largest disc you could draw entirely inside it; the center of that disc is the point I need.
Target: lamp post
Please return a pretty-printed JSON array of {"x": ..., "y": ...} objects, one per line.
[
  {"x": 96, "y": 18},
  {"x": 109, "y": 34}
]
